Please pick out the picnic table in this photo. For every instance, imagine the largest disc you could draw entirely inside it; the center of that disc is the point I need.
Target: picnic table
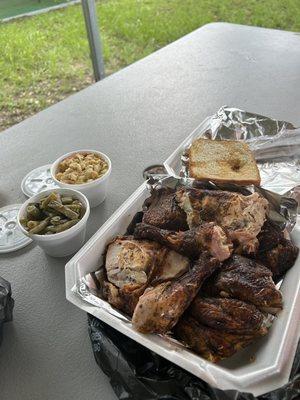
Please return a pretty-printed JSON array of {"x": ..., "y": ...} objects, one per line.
[{"x": 137, "y": 117}]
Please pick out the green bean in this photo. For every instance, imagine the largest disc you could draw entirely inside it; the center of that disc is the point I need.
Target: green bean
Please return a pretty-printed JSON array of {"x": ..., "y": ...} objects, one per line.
[
  {"x": 24, "y": 221},
  {"x": 62, "y": 221},
  {"x": 32, "y": 224},
  {"x": 55, "y": 220},
  {"x": 65, "y": 210},
  {"x": 75, "y": 207},
  {"x": 40, "y": 227},
  {"x": 52, "y": 214},
  {"x": 52, "y": 197},
  {"x": 66, "y": 200},
  {"x": 82, "y": 212},
  {"x": 63, "y": 227},
  {"x": 33, "y": 212},
  {"x": 49, "y": 213}
]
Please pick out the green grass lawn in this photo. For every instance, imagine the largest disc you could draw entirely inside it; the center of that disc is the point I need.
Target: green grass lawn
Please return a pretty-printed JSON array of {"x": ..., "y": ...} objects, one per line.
[
  {"x": 10, "y": 8},
  {"x": 45, "y": 58}
]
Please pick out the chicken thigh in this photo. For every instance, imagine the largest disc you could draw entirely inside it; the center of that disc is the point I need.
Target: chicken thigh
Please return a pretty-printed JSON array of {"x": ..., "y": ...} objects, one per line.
[{"x": 245, "y": 279}]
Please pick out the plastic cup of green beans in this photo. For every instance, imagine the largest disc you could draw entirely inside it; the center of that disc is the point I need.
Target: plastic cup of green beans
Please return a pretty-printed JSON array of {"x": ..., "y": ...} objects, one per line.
[{"x": 56, "y": 220}]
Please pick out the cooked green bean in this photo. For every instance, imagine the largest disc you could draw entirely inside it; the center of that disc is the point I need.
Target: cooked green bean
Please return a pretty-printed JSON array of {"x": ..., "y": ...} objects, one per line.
[
  {"x": 52, "y": 214},
  {"x": 33, "y": 212},
  {"x": 24, "y": 221},
  {"x": 49, "y": 213},
  {"x": 55, "y": 220},
  {"x": 52, "y": 197},
  {"x": 82, "y": 212},
  {"x": 65, "y": 210},
  {"x": 32, "y": 224},
  {"x": 75, "y": 207},
  {"x": 66, "y": 200},
  {"x": 40, "y": 227},
  {"x": 63, "y": 227}
]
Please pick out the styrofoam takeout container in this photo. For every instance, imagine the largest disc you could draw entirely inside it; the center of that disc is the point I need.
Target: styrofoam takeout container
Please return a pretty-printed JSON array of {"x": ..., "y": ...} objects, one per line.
[
  {"x": 64, "y": 243},
  {"x": 273, "y": 354},
  {"x": 94, "y": 191}
]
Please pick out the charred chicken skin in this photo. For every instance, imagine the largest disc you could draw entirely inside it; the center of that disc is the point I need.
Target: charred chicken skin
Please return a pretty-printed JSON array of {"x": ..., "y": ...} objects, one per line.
[
  {"x": 162, "y": 210},
  {"x": 212, "y": 344},
  {"x": 240, "y": 216},
  {"x": 228, "y": 315},
  {"x": 245, "y": 279},
  {"x": 160, "y": 307},
  {"x": 206, "y": 237},
  {"x": 275, "y": 251}
]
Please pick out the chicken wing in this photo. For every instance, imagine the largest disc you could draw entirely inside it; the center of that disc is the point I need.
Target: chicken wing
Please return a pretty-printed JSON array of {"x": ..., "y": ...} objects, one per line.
[
  {"x": 240, "y": 216},
  {"x": 190, "y": 243},
  {"x": 160, "y": 307},
  {"x": 245, "y": 279}
]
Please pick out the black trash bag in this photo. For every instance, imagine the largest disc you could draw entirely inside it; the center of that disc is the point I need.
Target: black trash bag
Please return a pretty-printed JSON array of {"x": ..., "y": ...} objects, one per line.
[
  {"x": 137, "y": 373},
  {"x": 6, "y": 305}
]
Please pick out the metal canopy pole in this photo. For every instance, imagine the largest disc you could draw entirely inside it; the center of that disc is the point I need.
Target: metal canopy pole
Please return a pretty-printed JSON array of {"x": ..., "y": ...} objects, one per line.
[{"x": 90, "y": 16}]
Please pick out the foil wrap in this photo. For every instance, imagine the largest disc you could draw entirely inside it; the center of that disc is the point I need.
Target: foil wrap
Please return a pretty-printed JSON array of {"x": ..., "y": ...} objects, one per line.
[{"x": 275, "y": 144}]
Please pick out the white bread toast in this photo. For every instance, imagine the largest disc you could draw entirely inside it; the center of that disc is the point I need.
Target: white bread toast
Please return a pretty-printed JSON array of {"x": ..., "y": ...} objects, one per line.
[{"x": 223, "y": 161}]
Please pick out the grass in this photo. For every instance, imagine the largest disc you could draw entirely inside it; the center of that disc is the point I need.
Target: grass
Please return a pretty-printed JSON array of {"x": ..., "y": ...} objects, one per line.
[
  {"x": 45, "y": 58},
  {"x": 9, "y": 8}
]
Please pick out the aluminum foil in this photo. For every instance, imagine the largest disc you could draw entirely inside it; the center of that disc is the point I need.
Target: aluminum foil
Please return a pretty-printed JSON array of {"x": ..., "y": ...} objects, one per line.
[{"x": 275, "y": 144}]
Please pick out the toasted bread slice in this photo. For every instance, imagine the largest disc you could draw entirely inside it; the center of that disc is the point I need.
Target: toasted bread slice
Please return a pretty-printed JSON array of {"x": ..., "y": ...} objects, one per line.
[{"x": 223, "y": 161}]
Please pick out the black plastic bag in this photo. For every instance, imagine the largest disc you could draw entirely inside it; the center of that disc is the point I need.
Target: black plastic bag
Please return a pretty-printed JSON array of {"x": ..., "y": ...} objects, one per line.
[
  {"x": 6, "y": 304},
  {"x": 137, "y": 373}
]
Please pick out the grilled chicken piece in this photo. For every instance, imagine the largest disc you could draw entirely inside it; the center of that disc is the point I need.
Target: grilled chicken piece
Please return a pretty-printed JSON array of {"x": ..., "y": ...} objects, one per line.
[
  {"x": 190, "y": 243},
  {"x": 269, "y": 236},
  {"x": 210, "y": 343},
  {"x": 173, "y": 266},
  {"x": 161, "y": 210},
  {"x": 275, "y": 251},
  {"x": 240, "y": 216},
  {"x": 245, "y": 279},
  {"x": 131, "y": 265},
  {"x": 280, "y": 258},
  {"x": 228, "y": 315},
  {"x": 160, "y": 307}
]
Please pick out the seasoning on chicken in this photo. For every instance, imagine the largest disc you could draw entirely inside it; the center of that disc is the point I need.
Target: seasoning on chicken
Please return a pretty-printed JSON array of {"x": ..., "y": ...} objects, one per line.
[
  {"x": 240, "y": 216},
  {"x": 161, "y": 210},
  {"x": 275, "y": 251},
  {"x": 190, "y": 243},
  {"x": 131, "y": 265},
  {"x": 228, "y": 315},
  {"x": 245, "y": 279},
  {"x": 160, "y": 307},
  {"x": 212, "y": 344}
]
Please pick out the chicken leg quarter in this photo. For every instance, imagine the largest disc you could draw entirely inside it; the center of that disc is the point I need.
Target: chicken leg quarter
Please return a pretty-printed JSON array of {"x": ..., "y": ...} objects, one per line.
[{"x": 160, "y": 307}]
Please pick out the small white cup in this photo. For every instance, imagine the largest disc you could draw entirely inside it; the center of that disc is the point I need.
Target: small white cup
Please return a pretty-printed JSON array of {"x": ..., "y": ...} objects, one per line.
[
  {"x": 63, "y": 243},
  {"x": 96, "y": 190}
]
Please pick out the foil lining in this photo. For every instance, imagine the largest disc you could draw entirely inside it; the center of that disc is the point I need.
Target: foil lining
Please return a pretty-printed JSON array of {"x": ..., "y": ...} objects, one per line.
[{"x": 276, "y": 146}]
